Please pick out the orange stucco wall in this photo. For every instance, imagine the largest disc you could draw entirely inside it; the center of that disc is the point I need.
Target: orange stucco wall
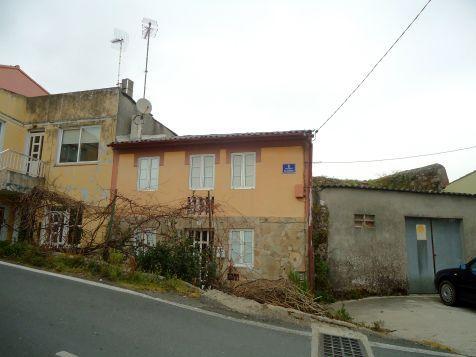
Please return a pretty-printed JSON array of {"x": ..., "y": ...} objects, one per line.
[{"x": 274, "y": 195}]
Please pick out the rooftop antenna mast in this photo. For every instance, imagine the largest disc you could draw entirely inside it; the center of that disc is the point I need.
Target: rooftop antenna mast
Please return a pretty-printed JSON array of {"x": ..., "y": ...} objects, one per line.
[
  {"x": 119, "y": 42},
  {"x": 149, "y": 29}
]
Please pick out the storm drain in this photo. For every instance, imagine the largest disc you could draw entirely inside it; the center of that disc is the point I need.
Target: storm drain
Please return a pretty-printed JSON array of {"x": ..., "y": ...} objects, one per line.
[{"x": 340, "y": 346}]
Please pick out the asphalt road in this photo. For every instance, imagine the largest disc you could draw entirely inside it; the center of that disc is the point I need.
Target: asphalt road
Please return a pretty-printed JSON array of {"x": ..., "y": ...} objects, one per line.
[{"x": 41, "y": 315}]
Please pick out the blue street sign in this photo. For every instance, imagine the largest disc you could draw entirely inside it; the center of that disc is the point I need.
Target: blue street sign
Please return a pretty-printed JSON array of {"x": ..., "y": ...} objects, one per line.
[{"x": 289, "y": 168}]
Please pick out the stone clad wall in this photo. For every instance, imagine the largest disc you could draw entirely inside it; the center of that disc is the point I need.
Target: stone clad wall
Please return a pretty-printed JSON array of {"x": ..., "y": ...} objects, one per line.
[{"x": 280, "y": 244}]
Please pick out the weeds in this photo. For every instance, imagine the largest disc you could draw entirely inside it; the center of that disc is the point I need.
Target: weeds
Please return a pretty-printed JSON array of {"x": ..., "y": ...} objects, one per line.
[
  {"x": 342, "y": 314},
  {"x": 300, "y": 282}
]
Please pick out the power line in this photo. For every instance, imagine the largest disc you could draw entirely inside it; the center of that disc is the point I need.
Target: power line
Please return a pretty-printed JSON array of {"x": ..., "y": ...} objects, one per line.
[
  {"x": 395, "y": 158},
  {"x": 373, "y": 68}
]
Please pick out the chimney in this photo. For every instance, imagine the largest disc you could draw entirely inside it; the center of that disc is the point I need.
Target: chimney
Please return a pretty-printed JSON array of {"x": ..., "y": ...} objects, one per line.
[
  {"x": 127, "y": 87},
  {"x": 136, "y": 127}
]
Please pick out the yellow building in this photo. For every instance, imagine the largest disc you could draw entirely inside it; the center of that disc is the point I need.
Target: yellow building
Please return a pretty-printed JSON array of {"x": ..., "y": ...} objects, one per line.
[
  {"x": 60, "y": 141},
  {"x": 88, "y": 144},
  {"x": 465, "y": 184},
  {"x": 259, "y": 183}
]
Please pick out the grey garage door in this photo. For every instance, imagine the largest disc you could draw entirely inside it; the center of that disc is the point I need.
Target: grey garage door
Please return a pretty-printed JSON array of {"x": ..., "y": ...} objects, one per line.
[{"x": 432, "y": 244}]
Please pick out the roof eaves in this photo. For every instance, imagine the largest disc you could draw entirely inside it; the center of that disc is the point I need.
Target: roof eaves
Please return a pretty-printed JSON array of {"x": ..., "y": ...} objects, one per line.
[
  {"x": 214, "y": 138},
  {"x": 363, "y": 187}
]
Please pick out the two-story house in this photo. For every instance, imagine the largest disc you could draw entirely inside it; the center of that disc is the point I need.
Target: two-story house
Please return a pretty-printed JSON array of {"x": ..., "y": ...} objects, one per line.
[
  {"x": 260, "y": 182},
  {"x": 60, "y": 141}
]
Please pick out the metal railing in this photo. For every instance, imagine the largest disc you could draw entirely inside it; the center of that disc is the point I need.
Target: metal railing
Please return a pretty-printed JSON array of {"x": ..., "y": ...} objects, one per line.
[{"x": 14, "y": 161}]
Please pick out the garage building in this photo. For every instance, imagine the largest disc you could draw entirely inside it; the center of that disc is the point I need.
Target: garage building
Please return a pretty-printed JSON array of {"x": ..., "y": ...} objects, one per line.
[{"x": 389, "y": 240}]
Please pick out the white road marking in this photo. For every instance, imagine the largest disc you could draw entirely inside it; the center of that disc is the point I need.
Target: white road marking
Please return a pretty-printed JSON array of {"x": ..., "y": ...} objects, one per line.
[
  {"x": 65, "y": 354},
  {"x": 176, "y": 304},
  {"x": 413, "y": 350}
]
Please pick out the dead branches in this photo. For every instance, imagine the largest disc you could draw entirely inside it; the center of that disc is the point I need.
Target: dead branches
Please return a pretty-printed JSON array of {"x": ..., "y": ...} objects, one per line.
[{"x": 281, "y": 292}]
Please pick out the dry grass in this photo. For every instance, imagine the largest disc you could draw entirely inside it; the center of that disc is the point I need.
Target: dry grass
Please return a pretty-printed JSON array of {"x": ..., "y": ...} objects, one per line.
[
  {"x": 437, "y": 345},
  {"x": 281, "y": 292}
]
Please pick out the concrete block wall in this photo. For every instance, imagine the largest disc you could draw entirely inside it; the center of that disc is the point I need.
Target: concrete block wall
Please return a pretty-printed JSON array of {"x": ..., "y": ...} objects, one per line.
[{"x": 375, "y": 259}]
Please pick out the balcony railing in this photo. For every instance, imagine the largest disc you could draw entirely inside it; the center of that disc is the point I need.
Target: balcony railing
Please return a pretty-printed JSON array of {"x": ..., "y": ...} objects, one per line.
[{"x": 14, "y": 161}]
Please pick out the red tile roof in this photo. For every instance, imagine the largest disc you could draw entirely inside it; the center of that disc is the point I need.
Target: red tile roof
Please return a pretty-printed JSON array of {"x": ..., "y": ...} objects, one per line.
[
  {"x": 13, "y": 79},
  {"x": 214, "y": 138}
]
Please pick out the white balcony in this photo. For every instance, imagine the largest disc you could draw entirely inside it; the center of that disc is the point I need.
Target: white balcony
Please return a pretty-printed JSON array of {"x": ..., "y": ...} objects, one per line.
[{"x": 19, "y": 172}]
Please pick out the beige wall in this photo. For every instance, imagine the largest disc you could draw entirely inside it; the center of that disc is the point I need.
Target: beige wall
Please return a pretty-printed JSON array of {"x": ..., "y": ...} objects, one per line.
[
  {"x": 13, "y": 105},
  {"x": 51, "y": 113},
  {"x": 466, "y": 184},
  {"x": 86, "y": 181},
  {"x": 274, "y": 195},
  {"x": 12, "y": 111}
]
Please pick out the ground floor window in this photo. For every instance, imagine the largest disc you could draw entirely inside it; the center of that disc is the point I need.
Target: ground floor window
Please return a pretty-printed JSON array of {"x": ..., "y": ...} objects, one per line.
[
  {"x": 241, "y": 247},
  {"x": 62, "y": 227},
  {"x": 145, "y": 238},
  {"x": 201, "y": 238},
  {"x": 55, "y": 227}
]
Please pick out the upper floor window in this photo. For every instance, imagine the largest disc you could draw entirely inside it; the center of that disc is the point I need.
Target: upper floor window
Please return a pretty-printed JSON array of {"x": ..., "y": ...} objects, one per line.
[
  {"x": 148, "y": 175},
  {"x": 243, "y": 170},
  {"x": 202, "y": 172},
  {"x": 80, "y": 145}
]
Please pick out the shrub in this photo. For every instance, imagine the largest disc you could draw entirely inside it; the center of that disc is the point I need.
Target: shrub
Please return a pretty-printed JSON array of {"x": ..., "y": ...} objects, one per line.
[
  {"x": 115, "y": 257},
  {"x": 322, "y": 281},
  {"x": 176, "y": 258},
  {"x": 14, "y": 250}
]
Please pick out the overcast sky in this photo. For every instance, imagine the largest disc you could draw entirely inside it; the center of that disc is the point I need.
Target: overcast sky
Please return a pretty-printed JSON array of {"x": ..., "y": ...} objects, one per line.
[{"x": 237, "y": 66}]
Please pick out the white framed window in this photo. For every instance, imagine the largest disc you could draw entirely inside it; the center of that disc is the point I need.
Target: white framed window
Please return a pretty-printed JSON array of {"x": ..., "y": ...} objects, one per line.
[
  {"x": 145, "y": 237},
  {"x": 55, "y": 227},
  {"x": 202, "y": 172},
  {"x": 243, "y": 170},
  {"x": 79, "y": 144},
  {"x": 148, "y": 173},
  {"x": 241, "y": 247},
  {"x": 201, "y": 238}
]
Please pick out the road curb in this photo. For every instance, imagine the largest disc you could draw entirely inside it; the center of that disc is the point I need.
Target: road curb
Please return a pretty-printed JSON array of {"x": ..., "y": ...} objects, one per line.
[{"x": 267, "y": 311}]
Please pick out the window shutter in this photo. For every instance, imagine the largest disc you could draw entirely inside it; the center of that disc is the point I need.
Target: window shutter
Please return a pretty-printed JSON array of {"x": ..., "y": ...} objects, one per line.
[
  {"x": 250, "y": 170},
  {"x": 236, "y": 168},
  {"x": 248, "y": 247},
  {"x": 195, "y": 170},
  {"x": 144, "y": 174},
  {"x": 154, "y": 174},
  {"x": 151, "y": 238},
  {"x": 209, "y": 164},
  {"x": 235, "y": 247}
]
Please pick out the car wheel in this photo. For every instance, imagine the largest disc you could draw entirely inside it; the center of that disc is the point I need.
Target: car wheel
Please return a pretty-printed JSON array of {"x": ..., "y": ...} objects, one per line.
[{"x": 447, "y": 293}]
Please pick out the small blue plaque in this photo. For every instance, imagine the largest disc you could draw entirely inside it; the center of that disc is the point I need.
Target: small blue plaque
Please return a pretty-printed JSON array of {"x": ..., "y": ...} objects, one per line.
[{"x": 289, "y": 168}]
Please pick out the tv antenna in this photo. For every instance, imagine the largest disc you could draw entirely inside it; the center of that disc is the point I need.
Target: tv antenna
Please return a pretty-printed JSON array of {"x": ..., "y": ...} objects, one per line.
[
  {"x": 119, "y": 42},
  {"x": 149, "y": 29}
]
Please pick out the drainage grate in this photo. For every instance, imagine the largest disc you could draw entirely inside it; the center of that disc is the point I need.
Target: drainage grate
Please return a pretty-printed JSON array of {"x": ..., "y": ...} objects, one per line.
[{"x": 339, "y": 346}]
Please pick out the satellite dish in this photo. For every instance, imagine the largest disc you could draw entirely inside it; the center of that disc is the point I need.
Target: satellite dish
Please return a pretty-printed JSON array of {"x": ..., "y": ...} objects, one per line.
[{"x": 143, "y": 106}]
